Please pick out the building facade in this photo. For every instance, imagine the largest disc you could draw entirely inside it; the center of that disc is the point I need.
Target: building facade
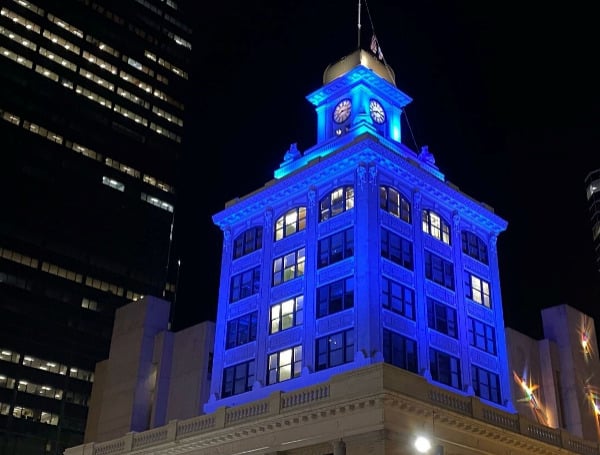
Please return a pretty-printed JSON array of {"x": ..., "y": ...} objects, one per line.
[
  {"x": 592, "y": 191},
  {"x": 359, "y": 309},
  {"x": 91, "y": 120}
]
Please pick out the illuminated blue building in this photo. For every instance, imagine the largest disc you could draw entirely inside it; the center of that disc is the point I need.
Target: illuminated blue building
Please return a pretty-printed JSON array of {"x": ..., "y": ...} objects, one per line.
[{"x": 358, "y": 252}]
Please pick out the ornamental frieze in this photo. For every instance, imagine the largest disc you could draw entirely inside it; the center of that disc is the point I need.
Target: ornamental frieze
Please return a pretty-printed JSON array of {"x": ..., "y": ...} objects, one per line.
[
  {"x": 399, "y": 324},
  {"x": 443, "y": 342},
  {"x": 287, "y": 289}
]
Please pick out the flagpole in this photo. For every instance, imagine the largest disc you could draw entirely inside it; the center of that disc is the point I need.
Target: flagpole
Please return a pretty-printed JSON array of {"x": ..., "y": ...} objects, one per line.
[{"x": 359, "y": 23}]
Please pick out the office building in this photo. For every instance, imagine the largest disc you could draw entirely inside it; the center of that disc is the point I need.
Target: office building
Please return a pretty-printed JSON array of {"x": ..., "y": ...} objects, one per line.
[
  {"x": 592, "y": 191},
  {"x": 359, "y": 308},
  {"x": 92, "y": 111}
]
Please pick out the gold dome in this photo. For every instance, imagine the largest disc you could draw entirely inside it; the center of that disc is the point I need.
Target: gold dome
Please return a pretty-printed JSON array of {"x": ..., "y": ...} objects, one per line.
[{"x": 359, "y": 57}]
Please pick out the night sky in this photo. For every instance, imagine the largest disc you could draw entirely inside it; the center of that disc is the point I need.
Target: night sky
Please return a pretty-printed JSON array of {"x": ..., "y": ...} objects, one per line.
[{"x": 505, "y": 96}]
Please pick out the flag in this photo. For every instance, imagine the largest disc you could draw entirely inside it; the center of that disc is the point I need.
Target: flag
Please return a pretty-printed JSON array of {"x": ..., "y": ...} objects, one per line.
[{"x": 375, "y": 48}]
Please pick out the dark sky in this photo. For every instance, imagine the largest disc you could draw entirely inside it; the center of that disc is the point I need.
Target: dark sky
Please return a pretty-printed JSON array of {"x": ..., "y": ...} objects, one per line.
[{"x": 505, "y": 96}]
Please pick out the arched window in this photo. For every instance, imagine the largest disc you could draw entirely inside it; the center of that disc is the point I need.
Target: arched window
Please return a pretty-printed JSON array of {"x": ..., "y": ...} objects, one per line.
[
  {"x": 293, "y": 221},
  {"x": 474, "y": 246},
  {"x": 336, "y": 202},
  {"x": 247, "y": 242},
  {"x": 435, "y": 226},
  {"x": 392, "y": 201}
]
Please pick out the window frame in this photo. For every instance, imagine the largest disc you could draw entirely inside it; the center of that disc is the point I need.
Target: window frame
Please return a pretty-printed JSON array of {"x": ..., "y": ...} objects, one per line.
[
  {"x": 405, "y": 306},
  {"x": 474, "y": 246},
  {"x": 326, "y": 357},
  {"x": 439, "y": 270},
  {"x": 400, "y": 351},
  {"x": 434, "y": 225},
  {"x": 248, "y": 242},
  {"x": 275, "y": 367},
  {"x": 336, "y": 202},
  {"x": 289, "y": 266},
  {"x": 335, "y": 248},
  {"x": 335, "y": 297},
  {"x": 397, "y": 249},
  {"x": 398, "y": 206},
  {"x": 291, "y": 222},
  {"x": 442, "y": 318},
  {"x": 296, "y": 315}
]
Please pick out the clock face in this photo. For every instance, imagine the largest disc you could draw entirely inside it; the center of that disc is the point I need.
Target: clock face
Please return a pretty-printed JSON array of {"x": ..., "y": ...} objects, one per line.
[
  {"x": 377, "y": 112},
  {"x": 342, "y": 111}
]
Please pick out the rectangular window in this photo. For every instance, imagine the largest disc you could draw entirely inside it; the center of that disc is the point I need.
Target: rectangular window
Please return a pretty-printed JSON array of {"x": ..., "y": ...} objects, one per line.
[
  {"x": 241, "y": 330},
  {"x": 288, "y": 267},
  {"x": 238, "y": 378},
  {"x": 482, "y": 336},
  {"x": 284, "y": 365},
  {"x": 486, "y": 384},
  {"x": 397, "y": 249},
  {"x": 244, "y": 284},
  {"x": 247, "y": 242},
  {"x": 441, "y": 317},
  {"x": 335, "y": 349},
  {"x": 445, "y": 368},
  {"x": 115, "y": 184},
  {"x": 336, "y": 247},
  {"x": 439, "y": 270},
  {"x": 478, "y": 290},
  {"x": 398, "y": 298},
  {"x": 400, "y": 351},
  {"x": 335, "y": 297},
  {"x": 287, "y": 314}
]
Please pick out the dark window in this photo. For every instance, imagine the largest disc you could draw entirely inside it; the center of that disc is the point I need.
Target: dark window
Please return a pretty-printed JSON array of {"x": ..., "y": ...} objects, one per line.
[
  {"x": 486, "y": 384},
  {"x": 245, "y": 284},
  {"x": 335, "y": 297},
  {"x": 400, "y": 351},
  {"x": 238, "y": 378},
  {"x": 445, "y": 368},
  {"x": 247, "y": 242},
  {"x": 241, "y": 330},
  {"x": 335, "y": 349},
  {"x": 398, "y": 298},
  {"x": 441, "y": 317},
  {"x": 336, "y": 202},
  {"x": 397, "y": 249},
  {"x": 482, "y": 336},
  {"x": 474, "y": 247},
  {"x": 336, "y": 247},
  {"x": 395, "y": 203},
  {"x": 290, "y": 223},
  {"x": 435, "y": 226},
  {"x": 439, "y": 270}
]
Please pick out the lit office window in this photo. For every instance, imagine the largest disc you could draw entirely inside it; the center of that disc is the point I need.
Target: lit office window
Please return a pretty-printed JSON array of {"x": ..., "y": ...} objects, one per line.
[
  {"x": 57, "y": 58},
  {"x": 435, "y": 226},
  {"x": 12, "y": 118},
  {"x": 292, "y": 221},
  {"x": 130, "y": 114},
  {"x": 30, "y": 7},
  {"x": 89, "y": 304},
  {"x": 80, "y": 90},
  {"x": 97, "y": 79},
  {"x": 56, "y": 39},
  {"x": 122, "y": 167},
  {"x": 64, "y": 25},
  {"x": 9, "y": 356},
  {"x": 16, "y": 57},
  {"x": 164, "y": 132},
  {"x": 289, "y": 266},
  {"x": 104, "y": 286},
  {"x": 135, "y": 81},
  {"x": 478, "y": 290},
  {"x": 157, "y": 202},
  {"x": 284, "y": 365},
  {"x": 287, "y": 314},
  {"x": 20, "y": 20},
  {"x": 103, "y": 64},
  {"x": 133, "y": 98},
  {"x": 89, "y": 153},
  {"x": 113, "y": 183},
  {"x": 61, "y": 272},
  {"x": 41, "y": 131},
  {"x": 46, "y": 73},
  {"x": 18, "y": 38},
  {"x": 138, "y": 65},
  {"x": 167, "y": 116},
  {"x": 18, "y": 258},
  {"x": 102, "y": 46}
]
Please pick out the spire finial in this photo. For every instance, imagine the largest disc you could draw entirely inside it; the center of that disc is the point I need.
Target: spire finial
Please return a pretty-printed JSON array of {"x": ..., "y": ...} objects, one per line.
[{"x": 359, "y": 2}]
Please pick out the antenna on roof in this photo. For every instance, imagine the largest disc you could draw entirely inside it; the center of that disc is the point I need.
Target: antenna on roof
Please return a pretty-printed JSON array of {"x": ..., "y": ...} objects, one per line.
[{"x": 359, "y": 1}]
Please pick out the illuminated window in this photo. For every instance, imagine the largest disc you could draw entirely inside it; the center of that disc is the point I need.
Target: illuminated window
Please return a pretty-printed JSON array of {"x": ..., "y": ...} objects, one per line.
[
  {"x": 392, "y": 201},
  {"x": 57, "y": 58},
  {"x": 18, "y": 38},
  {"x": 335, "y": 248},
  {"x": 474, "y": 246},
  {"x": 241, "y": 330},
  {"x": 290, "y": 223},
  {"x": 442, "y": 318},
  {"x": 247, "y": 242},
  {"x": 397, "y": 249},
  {"x": 245, "y": 284},
  {"x": 335, "y": 349},
  {"x": 338, "y": 201},
  {"x": 287, "y": 314},
  {"x": 238, "y": 378},
  {"x": 16, "y": 57},
  {"x": 122, "y": 167},
  {"x": 16, "y": 19},
  {"x": 486, "y": 384},
  {"x": 335, "y": 297},
  {"x": 74, "y": 30},
  {"x": 481, "y": 336},
  {"x": 164, "y": 132},
  {"x": 439, "y": 270},
  {"x": 478, "y": 290},
  {"x": 89, "y": 304},
  {"x": 157, "y": 202},
  {"x": 31, "y": 7},
  {"x": 46, "y": 73},
  {"x": 284, "y": 365},
  {"x": 9, "y": 356},
  {"x": 97, "y": 79},
  {"x": 12, "y": 118},
  {"x": 288, "y": 267},
  {"x": 445, "y": 368},
  {"x": 80, "y": 90},
  {"x": 400, "y": 351},
  {"x": 398, "y": 298},
  {"x": 435, "y": 226},
  {"x": 60, "y": 41},
  {"x": 113, "y": 183},
  {"x": 6, "y": 382}
]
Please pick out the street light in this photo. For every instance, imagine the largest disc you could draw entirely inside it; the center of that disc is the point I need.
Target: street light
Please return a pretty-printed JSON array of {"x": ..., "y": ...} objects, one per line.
[{"x": 422, "y": 444}]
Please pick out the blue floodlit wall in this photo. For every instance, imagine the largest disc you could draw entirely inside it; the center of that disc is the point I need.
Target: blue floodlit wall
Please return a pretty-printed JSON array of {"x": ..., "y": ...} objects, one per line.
[{"x": 378, "y": 248}]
